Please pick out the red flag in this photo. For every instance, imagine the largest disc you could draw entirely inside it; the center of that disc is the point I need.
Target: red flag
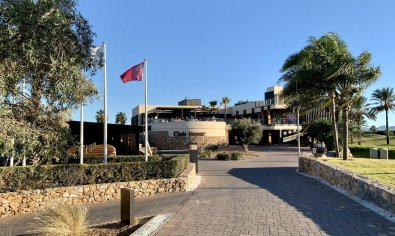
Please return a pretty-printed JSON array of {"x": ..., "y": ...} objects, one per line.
[{"x": 133, "y": 74}]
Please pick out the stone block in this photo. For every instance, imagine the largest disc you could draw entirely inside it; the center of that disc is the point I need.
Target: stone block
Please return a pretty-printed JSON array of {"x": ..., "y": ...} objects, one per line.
[
  {"x": 374, "y": 153},
  {"x": 383, "y": 153},
  {"x": 128, "y": 207}
]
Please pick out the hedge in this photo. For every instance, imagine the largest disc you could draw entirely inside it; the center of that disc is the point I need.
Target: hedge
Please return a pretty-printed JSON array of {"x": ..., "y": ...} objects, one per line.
[
  {"x": 49, "y": 176},
  {"x": 364, "y": 151},
  {"x": 113, "y": 159}
]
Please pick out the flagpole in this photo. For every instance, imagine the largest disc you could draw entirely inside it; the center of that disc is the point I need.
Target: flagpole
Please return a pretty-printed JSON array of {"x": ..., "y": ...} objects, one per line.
[
  {"x": 82, "y": 133},
  {"x": 105, "y": 103},
  {"x": 23, "y": 97},
  {"x": 145, "y": 107}
]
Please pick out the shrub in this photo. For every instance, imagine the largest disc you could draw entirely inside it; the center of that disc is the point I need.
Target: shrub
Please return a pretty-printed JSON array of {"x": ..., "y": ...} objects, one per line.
[
  {"x": 364, "y": 151},
  {"x": 236, "y": 156},
  {"x": 49, "y": 176},
  {"x": 223, "y": 156},
  {"x": 63, "y": 219},
  {"x": 114, "y": 159}
]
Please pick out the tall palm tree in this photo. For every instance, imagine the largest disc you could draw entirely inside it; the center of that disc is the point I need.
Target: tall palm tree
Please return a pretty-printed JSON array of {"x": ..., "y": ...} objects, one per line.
[
  {"x": 99, "y": 116},
  {"x": 213, "y": 104},
  {"x": 326, "y": 69},
  {"x": 225, "y": 101},
  {"x": 358, "y": 113},
  {"x": 120, "y": 118},
  {"x": 383, "y": 101}
]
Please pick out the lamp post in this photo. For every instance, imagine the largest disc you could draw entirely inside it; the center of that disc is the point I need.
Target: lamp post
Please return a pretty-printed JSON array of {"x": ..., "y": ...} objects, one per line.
[{"x": 297, "y": 118}]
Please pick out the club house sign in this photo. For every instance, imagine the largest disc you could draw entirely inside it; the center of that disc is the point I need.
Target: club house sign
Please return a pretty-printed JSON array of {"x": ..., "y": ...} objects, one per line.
[{"x": 186, "y": 134}]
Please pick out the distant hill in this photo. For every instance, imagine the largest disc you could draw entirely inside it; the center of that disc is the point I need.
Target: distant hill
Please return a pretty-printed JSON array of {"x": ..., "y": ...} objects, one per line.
[{"x": 380, "y": 128}]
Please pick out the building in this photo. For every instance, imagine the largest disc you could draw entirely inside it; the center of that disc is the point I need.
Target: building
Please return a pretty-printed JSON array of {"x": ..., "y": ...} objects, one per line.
[{"x": 175, "y": 126}]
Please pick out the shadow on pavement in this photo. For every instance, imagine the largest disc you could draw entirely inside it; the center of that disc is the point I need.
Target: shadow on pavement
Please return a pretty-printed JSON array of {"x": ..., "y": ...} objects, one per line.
[{"x": 334, "y": 213}]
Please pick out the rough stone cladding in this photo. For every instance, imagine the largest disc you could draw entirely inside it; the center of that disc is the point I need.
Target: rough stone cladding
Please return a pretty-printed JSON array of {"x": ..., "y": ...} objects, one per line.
[
  {"x": 14, "y": 203},
  {"x": 162, "y": 141}
]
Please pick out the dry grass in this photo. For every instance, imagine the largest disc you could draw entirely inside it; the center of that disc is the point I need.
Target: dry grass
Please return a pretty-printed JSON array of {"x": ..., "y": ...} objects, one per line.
[{"x": 63, "y": 219}]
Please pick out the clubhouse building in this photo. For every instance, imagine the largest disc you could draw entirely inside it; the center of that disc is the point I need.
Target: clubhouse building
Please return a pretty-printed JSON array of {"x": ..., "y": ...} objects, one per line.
[{"x": 174, "y": 127}]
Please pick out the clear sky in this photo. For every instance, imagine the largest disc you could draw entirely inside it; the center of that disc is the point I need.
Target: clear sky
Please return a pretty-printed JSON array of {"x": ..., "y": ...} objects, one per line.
[{"x": 208, "y": 49}]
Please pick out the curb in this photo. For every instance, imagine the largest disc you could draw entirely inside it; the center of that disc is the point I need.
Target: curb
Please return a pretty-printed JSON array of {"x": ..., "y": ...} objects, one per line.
[{"x": 152, "y": 226}]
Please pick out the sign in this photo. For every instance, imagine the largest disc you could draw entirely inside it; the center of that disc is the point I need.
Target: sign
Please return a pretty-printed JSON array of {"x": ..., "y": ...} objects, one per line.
[{"x": 186, "y": 134}]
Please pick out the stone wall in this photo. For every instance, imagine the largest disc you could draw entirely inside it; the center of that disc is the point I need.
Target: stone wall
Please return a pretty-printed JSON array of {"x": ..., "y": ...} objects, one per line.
[
  {"x": 14, "y": 203},
  {"x": 366, "y": 189},
  {"x": 162, "y": 141}
]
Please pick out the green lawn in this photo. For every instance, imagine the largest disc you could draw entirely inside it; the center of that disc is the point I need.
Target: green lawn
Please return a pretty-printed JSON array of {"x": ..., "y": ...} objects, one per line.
[
  {"x": 375, "y": 140},
  {"x": 382, "y": 171}
]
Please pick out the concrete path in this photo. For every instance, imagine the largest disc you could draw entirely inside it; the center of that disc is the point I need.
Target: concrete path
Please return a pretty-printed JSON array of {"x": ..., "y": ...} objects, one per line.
[{"x": 264, "y": 195}]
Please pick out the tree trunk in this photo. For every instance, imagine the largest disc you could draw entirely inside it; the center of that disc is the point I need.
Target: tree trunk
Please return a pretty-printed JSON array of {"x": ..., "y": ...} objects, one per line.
[
  {"x": 335, "y": 128},
  {"x": 245, "y": 147},
  {"x": 345, "y": 133},
  {"x": 386, "y": 127},
  {"x": 225, "y": 113},
  {"x": 359, "y": 133}
]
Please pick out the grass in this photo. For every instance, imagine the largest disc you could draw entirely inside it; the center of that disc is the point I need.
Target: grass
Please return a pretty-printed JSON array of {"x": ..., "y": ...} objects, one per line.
[
  {"x": 382, "y": 171},
  {"x": 63, "y": 219},
  {"x": 375, "y": 140}
]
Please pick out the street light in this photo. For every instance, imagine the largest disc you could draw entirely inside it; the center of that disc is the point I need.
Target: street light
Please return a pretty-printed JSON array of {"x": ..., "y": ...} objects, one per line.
[{"x": 297, "y": 106}]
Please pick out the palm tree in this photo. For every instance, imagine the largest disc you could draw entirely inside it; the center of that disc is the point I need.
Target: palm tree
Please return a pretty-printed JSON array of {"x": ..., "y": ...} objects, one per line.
[
  {"x": 326, "y": 69},
  {"x": 373, "y": 129},
  {"x": 120, "y": 118},
  {"x": 225, "y": 101},
  {"x": 213, "y": 104},
  {"x": 358, "y": 113},
  {"x": 383, "y": 101},
  {"x": 100, "y": 116}
]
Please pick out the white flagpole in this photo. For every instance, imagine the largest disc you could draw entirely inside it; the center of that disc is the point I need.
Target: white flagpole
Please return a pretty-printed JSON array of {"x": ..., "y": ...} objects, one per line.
[
  {"x": 145, "y": 107},
  {"x": 105, "y": 103},
  {"x": 82, "y": 133}
]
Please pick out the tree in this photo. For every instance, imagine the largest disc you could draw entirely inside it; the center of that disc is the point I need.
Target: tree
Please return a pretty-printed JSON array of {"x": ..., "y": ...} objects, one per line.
[
  {"x": 99, "y": 116},
  {"x": 326, "y": 69},
  {"x": 213, "y": 104},
  {"x": 225, "y": 101},
  {"x": 383, "y": 100},
  {"x": 308, "y": 77},
  {"x": 373, "y": 129},
  {"x": 320, "y": 130},
  {"x": 120, "y": 118},
  {"x": 246, "y": 132},
  {"x": 46, "y": 46},
  {"x": 358, "y": 113}
]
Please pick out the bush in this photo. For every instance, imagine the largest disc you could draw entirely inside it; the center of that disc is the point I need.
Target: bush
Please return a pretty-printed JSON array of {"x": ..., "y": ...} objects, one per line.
[
  {"x": 223, "y": 156},
  {"x": 50, "y": 176},
  {"x": 364, "y": 151},
  {"x": 114, "y": 159},
  {"x": 236, "y": 156},
  {"x": 63, "y": 219}
]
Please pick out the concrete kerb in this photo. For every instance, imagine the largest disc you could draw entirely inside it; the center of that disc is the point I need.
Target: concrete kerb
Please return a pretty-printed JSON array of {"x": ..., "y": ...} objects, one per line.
[
  {"x": 152, "y": 226},
  {"x": 384, "y": 213}
]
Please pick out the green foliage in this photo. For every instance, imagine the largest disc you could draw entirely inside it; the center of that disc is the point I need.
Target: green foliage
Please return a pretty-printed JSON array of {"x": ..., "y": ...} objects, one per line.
[
  {"x": 363, "y": 151},
  {"x": 121, "y": 118},
  {"x": 373, "y": 129},
  {"x": 50, "y": 176},
  {"x": 245, "y": 132},
  {"x": 100, "y": 116},
  {"x": 45, "y": 48},
  {"x": 115, "y": 159},
  {"x": 223, "y": 156},
  {"x": 226, "y": 156},
  {"x": 235, "y": 156}
]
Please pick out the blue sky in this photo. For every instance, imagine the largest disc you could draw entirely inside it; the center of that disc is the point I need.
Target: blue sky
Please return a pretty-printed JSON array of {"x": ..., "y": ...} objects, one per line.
[{"x": 209, "y": 49}]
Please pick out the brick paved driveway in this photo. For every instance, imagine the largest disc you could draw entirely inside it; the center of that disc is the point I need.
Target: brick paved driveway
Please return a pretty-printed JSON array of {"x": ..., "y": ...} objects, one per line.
[{"x": 264, "y": 195}]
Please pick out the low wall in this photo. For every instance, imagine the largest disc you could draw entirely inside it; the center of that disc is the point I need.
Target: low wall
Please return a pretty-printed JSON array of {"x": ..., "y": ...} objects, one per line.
[
  {"x": 14, "y": 203},
  {"x": 366, "y": 189}
]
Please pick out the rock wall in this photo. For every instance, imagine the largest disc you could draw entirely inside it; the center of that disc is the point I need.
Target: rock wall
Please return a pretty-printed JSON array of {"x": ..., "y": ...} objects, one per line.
[
  {"x": 14, "y": 203},
  {"x": 366, "y": 189},
  {"x": 162, "y": 141}
]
